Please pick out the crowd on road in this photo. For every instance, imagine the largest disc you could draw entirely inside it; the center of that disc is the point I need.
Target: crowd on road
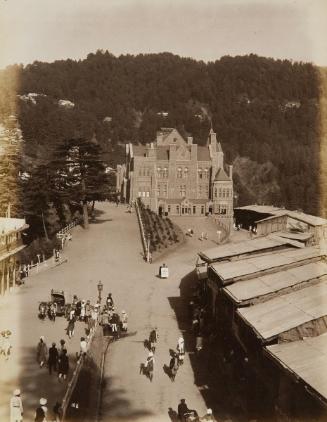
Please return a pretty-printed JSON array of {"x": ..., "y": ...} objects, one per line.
[{"x": 56, "y": 358}]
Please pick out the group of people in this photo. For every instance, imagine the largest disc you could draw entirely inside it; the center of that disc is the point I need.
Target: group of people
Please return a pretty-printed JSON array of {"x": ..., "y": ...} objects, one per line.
[
  {"x": 176, "y": 358},
  {"x": 187, "y": 415},
  {"x": 5, "y": 345},
  {"x": 147, "y": 368},
  {"x": 55, "y": 358},
  {"x": 111, "y": 321},
  {"x": 16, "y": 409}
]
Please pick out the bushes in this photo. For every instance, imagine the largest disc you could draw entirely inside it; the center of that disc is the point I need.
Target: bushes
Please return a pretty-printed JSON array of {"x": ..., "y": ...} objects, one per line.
[
  {"x": 161, "y": 231},
  {"x": 39, "y": 246}
]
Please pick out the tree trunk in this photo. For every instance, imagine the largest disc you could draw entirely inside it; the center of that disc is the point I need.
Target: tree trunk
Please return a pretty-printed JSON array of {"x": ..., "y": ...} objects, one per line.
[
  {"x": 44, "y": 226},
  {"x": 85, "y": 215}
]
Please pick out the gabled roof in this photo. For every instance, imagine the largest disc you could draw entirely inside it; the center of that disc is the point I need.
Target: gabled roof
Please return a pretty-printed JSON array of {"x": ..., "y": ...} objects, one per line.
[{"x": 221, "y": 176}]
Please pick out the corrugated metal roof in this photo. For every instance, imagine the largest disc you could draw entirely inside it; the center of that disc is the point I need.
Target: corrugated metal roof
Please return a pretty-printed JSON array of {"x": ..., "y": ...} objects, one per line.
[
  {"x": 244, "y": 247},
  {"x": 285, "y": 312},
  {"x": 270, "y": 283},
  {"x": 307, "y": 359},
  {"x": 228, "y": 271},
  {"x": 312, "y": 220}
]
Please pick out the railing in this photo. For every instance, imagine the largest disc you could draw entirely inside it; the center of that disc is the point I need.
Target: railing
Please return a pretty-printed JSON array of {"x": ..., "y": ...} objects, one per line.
[
  {"x": 142, "y": 230},
  {"x": 72, "y": 383}
]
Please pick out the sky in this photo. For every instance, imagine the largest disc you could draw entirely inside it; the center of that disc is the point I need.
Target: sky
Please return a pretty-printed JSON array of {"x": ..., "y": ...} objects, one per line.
[{"x": 48, "y": 30}]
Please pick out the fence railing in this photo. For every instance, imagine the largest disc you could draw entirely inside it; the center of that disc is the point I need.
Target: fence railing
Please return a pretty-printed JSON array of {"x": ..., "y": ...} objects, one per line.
[
  {"x": 142, "y": 230},
  {"x": 72, "y": 383}
]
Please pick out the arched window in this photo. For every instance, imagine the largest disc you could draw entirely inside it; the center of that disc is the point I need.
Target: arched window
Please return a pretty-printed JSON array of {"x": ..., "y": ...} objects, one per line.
[
  {"x": 179, "y": 173},
  {"x": 159, "y": 171},
  {"x": 185, "y": 172},
  {"x": 215, "y": 192},
  {"x": 200, "y": 173},
  {"x": 165, "y": 172},
  {"x": 206, "y": 173}
]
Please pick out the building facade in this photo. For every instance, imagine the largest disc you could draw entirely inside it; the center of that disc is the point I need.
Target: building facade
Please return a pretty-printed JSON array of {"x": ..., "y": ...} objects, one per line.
[
  {"x": 10, "y": 244},
  {"x": 174, "y": 176}
]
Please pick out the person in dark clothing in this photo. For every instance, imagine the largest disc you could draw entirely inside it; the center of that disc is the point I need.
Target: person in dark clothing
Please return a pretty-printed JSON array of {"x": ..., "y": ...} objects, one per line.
[
  {"x": 153, "y": 338},
  {"x": 53, "y": 358},
  {"x": 184, "y": 411},
  {"x": 63, "y": 366}
]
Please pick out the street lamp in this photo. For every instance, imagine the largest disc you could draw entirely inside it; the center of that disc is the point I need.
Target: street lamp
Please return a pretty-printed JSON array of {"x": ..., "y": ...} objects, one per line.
[{"x": 100, "y": 288}]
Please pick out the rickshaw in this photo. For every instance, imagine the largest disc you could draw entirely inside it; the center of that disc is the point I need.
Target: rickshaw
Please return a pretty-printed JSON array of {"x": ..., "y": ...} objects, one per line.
[{"x": 59, "y": 298}]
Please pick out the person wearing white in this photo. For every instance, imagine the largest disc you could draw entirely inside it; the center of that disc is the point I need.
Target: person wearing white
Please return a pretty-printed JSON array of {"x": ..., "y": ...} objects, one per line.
[{"x": 16, "y": 407}]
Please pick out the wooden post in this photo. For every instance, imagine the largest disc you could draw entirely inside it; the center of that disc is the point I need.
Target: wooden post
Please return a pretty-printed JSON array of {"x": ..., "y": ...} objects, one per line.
[{"x": 14, "y": 275}]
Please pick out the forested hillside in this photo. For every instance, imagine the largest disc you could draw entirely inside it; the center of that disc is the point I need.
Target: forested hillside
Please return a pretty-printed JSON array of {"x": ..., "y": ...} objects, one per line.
[{"x": 265, "y": 113}]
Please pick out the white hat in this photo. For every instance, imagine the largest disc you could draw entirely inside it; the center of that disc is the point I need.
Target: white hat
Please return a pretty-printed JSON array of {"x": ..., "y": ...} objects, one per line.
[
  {"x": 209, "y": 412},
  {"x": 42, "y": 338},
  {"x": 17, "y": 392},
  {"x": 43, "y": 401}
]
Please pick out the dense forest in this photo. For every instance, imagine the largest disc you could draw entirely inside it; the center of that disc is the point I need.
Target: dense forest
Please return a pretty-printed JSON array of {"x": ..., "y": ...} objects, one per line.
[{"x": 265, "y": 113}]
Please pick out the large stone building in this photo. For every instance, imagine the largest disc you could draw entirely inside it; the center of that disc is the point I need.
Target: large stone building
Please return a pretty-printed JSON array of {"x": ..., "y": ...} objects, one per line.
[{"x": 174, "y": 176}]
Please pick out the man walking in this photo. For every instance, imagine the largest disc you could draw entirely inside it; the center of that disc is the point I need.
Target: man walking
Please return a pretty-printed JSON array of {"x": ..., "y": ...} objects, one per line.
[
  {"x": 53, "y": 358},
  {"x": 41, "y": 352},
  {"x": 16, "y": 407}
]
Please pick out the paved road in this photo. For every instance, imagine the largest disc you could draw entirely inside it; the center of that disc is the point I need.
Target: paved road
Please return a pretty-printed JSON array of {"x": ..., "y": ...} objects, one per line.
[{"x": 110, "y": 251}]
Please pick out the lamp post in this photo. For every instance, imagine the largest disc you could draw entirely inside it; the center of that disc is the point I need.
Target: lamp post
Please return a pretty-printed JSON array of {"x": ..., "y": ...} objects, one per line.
[{"x": 100, "y": 288}]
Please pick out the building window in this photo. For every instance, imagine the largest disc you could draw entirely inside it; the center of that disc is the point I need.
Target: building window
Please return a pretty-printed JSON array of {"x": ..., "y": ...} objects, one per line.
[
  {"x": 202, "y": 209},
  {"x": 158, "y": 191},
  {"x": 194, "y": 209},
  {"x": 140, "y": 172},
  {"x": 222, "y": 209},
  {"x": 185, "y": 172},
  {"x": 200, "y": 173},
  {"x": 206, "y": 174},
  {"x": 177, "y": 209},
  {"x": 215, "y": 192},
  {"x": 165, "y": 172},
  {"x": 139, "y": 194},
  {"x": 143, "y": 194},
  {"x": 182, "y": 190},
  {"x": 159, "y": 171},
  {"x": 168, "y": 208},
  {"x": 179, "y": 173},
  {"x": 147, "y": 194},
  {"x": 147, "y": 171},
  {"x": 207, "y": 190},
  {"x": 165, "y": 190}
]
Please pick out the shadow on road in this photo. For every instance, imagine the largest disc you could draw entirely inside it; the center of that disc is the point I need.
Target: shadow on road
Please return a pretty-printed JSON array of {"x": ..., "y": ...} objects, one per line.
[
  {"x": 207, "y": 375},
  {"x": 117, "y": 408}
]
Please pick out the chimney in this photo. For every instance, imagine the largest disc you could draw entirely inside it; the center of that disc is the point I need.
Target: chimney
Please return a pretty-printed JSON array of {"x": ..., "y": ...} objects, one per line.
[
  {"x": 231, "y": 172},
  {"x": 189, "y": 140}
]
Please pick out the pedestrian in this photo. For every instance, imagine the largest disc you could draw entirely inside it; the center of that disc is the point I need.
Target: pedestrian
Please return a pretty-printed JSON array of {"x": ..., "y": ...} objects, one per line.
[
  {"x": 41, "y": 351},
  {"x": 153, "y": 338},
  {"x": 208, "y": 416},
  {"x": 41, "y": 411},
  {"x": 53, "y": 358},
  {"x": 183, "y": 410},
  {"x": 87, "y": 310},
  {"x": 83, "y": 314},
  {"x": 124, "y": 320},
  {"x": 173, "y": 366},
  {"x": 149, "y": 366},
  {"x": 63, "y": 366},
  {"x": 83, "y": 347},
  {"x": 16, "y": 407},
  {"x": 71, "y": 327},
  {"x": 62, "y": 347},
  {"x": 180, "y": 345},
  {"x": 109, "y": 301},
  {"x": 57, "y": 410}
]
